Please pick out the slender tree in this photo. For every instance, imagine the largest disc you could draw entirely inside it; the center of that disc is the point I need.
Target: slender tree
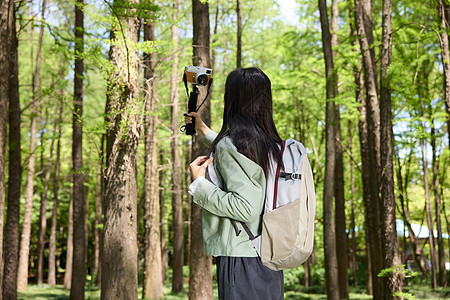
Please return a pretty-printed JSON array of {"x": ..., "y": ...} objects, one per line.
[
  {"x": 369, "y": 143},
  {"x": 424, "y": 94},
  {"x": 200, "y": 265},
  {"x": 119, "y": 260},
  {"x": 177, "y": 196},
  {"x": 403, "y": 196},
  {"x": 162, "y": 216},
  {"x": 393, "y": 282},
  {"x": 6, "y": 37},
  {"x": 98, "y": 220},
  {"x": 445, "y": 55},
  {"x": 79, "y": 202},
  {"x": 429, "y": 214},
  {"x": 51, "y": 279},
  {"x": 352, "y": 197},
  {"x": 437, "y": 209},
  {"x": 69, "y": 247},
  {"x": 45, "y": 181},
  {"x": 11, "y": 238},
  {"x": 153, "y": 281},
  {"x": 331, "y": 264},
  {"x": 339, "y": 193},
  {"x": 22, "y": 272}
]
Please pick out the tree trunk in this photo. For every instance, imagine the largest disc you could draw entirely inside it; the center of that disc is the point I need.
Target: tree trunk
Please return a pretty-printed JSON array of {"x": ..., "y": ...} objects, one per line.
[
  {"x": 98, "y": 220},
  {"x": 352, "y": 199},
  {"x": 393, "y": 281},
  {"x": 51, "y": 280},
  {"x": 308, "y": 278},
  {"x": 22, "y": 272},
  {"x": 100, "y": 209},
  {"x": 120, "y": 253},
  {"x": 416, "y": 251},
  {"x": 200, "y": 265},
  {"x": 43, "y": 211},
  {"x": 9, "y": 88},
  {"x": 331, "y": 264},
  {"x": 423, "y": 93},
  {"x": 370, "y": 144},
  {"x": 162, "y": 218},
  {"x": 429, "y": 214},
  {"x": 177, "y": 199},
  {"x": 339, "y": 196},
  {"x": 239, "y": 35},
  {"x": 153, "y": 281},
  {"x": 445, "y": 62},
  {"x": 69, "y": 248},
  {"x": 6, "y": 38},
  {"x": 437, "y": 206},
  {"x": 79, "y": 202}
]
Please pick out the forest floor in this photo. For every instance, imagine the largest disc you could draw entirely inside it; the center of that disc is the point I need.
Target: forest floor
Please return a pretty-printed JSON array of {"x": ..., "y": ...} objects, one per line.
[
  {"x": 41, "y": 292},
  {"x": 417, "y": 289}
]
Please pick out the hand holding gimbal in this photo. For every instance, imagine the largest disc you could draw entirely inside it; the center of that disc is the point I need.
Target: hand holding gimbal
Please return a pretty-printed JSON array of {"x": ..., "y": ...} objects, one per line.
[{"x": 196, "y": 76}]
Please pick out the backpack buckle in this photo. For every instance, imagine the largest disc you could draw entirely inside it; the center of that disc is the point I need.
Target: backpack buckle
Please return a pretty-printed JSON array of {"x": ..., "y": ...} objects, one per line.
[{"x": 290, "y": 176}]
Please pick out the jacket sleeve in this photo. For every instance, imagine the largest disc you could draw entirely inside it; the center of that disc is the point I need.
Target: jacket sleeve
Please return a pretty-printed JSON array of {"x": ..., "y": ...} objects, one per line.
[{"x": 242, "y": 197}]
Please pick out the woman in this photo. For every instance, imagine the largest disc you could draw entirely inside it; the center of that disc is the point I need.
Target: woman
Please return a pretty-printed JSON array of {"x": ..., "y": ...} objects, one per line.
[{"x": 242, "y": 152}]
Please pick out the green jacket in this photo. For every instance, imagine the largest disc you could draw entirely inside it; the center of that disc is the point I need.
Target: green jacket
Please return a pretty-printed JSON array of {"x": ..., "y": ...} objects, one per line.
[{"x": 241, "y": 199}]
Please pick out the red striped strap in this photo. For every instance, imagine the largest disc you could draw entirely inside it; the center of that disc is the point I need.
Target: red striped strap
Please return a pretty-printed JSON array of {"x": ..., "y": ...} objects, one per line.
[{"x": 277, "y": 175}]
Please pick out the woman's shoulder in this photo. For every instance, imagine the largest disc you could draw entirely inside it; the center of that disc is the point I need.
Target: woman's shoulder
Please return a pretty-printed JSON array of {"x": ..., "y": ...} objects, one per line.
[{"x": 225, "y": 144}]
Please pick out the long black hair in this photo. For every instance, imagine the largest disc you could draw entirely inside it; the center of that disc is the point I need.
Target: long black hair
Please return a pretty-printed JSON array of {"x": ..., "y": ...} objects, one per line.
[{"x": 248, "y": 117}]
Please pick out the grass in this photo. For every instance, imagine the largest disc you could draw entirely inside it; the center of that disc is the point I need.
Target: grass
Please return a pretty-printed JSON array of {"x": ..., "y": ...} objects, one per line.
[
  {"x": 58, "y": 292},
  {"x": 418, "y": 288}
]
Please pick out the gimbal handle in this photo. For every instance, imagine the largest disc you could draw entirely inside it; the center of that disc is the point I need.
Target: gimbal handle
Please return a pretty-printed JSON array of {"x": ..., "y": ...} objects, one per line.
[{"x": 192, "y": 107}]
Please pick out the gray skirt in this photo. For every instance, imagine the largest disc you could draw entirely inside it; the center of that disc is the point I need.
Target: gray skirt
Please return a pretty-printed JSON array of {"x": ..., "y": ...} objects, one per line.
[{"x": 247, "y": 278}]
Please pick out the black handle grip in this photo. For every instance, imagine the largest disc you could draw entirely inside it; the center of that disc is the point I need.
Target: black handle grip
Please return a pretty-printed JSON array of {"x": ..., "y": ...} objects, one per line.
[
  {"x": 192, "y": 107},
  {"x": 190, "y": 128}
]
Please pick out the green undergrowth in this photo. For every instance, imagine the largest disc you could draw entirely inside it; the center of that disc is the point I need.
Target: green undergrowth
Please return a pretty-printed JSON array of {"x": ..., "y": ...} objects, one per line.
[{"x": 294, "y": 289}]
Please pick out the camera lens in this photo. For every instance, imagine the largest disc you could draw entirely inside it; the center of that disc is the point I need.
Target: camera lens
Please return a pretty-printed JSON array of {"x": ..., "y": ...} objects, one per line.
[{"x": 201, "y": 79}]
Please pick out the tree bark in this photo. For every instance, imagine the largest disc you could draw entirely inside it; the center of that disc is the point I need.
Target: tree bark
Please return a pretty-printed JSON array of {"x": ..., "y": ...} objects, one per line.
[
  {"x": 352, "y": 216},
  {"x": 51, "y": 279},
  {"x": 22, "y": 272},
  {"x": 331, "y": 264},
  {"x": 79, "y": 202},
  {"x": 45, "y": 177},
  {"x": 200, "y": 265},
  {"x": 153, "y": 281},
  {"x": 423, "y": 93},
  {"x": 370, "y": 144},
  {"x": 120, "y": 253},
  {"x": 416, "y": 251},
  {"x": 339, "y": 193},
  {"x": 9, "y": 94},
  {"x": 445, "y": 55},
  {"x": 429, "y": 215},
  {"x": 239, "y": 35},
  {"x": 69, "y": 248},
  {"x": 393, "y": 281},
  {"x": 162, "y": 217},
  {"x": 6, "y": 38},
  {"x": 177, "y": 200},
  {"x": 98, "y": 220},
  {"x": 437, "y": 206}
]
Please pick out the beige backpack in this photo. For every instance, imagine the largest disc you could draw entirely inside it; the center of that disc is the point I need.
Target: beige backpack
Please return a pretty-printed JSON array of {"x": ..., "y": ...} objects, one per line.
[{"x": 287, "y": 234}]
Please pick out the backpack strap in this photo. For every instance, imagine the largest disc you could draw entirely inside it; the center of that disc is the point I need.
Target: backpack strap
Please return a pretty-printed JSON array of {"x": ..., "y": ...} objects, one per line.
[
  {"x": 277, "y": 175},
  {"x": 250, "y": 234}
]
